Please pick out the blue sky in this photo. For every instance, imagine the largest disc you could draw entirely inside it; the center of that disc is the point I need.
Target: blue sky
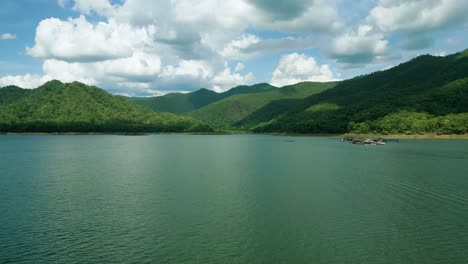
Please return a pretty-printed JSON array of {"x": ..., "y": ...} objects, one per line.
[{"x": 138, "y": 47}]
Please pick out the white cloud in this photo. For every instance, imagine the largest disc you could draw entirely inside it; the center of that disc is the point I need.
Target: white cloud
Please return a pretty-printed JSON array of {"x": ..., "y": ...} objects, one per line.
[
  {"x": 27, "y": 81},
  {"x": 239, "y": 67},
  {"x": 226, "y": 79},
  {"x": 294, "y": 68},
  {"x": 77, "y": 40},
  {"x": 147, "y": 46},
  {"x": 99, "y": 6},
  {"x": 249, "y": 45},
  {"x": 418, "y": 15},
  {"x": 188, "y": 67},
  {"x": 234, "y": 49},
  {"x": 6, "y": 36},
  {"x": 362, "y": 45},
  {"x": 217, "y": 22}
]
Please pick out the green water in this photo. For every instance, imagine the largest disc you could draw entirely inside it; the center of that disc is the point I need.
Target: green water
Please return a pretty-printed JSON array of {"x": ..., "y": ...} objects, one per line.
[{"x": 231, "y": 199}]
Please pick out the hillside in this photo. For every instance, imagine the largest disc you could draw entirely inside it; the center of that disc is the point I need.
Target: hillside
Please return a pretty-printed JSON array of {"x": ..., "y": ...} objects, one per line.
[
  {"x": 435, "y": 87},
  {"x": 75, "y": 107},
  {"x": 11, "y": 93},
  {"x": 183, "y": 103},
  {"x": 226, "y": 112}
]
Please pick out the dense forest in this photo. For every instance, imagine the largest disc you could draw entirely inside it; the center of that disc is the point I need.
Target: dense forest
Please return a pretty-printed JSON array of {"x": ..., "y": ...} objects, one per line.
[
  {"x": 75, "y": 107},
  {"x": 179, "y": 103},
  {"x": 435, "y": 88},
  {"x": 425, "y": 95},
  {"x": 225, "y": 113}
]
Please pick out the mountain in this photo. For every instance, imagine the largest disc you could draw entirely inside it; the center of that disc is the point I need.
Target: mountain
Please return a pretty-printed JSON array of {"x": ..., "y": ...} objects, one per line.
[
  {"x": 76, "y": 107},
  {"x": 226, "y": 112},
  {"x": 11, "y": 93},
  {"x": 183, "y": 103},
  {"x": 426, "y": 94}
]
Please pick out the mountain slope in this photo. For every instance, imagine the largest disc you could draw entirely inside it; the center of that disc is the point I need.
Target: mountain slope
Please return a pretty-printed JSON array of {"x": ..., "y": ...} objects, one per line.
[
  {"x": 426, "y": 84},
  {"x": 226, "y": 112},
  {"x": 10, "y": 94},
  {"x": 183, "y": 103},
  {"x": 75, "y": 107}
]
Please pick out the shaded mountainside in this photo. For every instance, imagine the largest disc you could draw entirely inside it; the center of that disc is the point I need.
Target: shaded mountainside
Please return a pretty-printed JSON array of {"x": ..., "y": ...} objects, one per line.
[
  {"x": 436, "y": 86},
  {"x": 75, "y": 107},
  {"x": 227, "y": 112},
  {"x": 183, "y": 103}
]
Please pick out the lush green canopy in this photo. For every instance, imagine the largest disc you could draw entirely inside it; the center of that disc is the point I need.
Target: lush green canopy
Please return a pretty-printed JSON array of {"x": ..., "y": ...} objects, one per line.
[{"x": 75, "y": 107}]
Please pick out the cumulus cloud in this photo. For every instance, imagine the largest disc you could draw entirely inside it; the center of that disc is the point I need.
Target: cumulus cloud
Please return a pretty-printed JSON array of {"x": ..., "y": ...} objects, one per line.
[
  {"x": 192, "y": 68},
  {"x": 170, "y": 45},
  {"x": 27, "y": 81},
  {"x": 249, "y": 46},
  {"x": 234, "y": 50},
  {"x": 362, "y": 45},
  {"x": 99, "y": 6},
  {"x": 294, "y": 68},
  {"x": 77, "y": 40},
  {"x": 6, "y": 36},
  {"x": 226, "y": 79},
  {"x": 418, "y": 15},
  {"x": 149, "y": 47}
]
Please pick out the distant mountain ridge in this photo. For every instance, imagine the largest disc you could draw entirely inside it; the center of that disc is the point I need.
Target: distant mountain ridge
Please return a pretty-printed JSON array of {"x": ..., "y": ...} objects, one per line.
[
  {"x": 227, "y": 112},
  {"x": 179, "y": 103}
]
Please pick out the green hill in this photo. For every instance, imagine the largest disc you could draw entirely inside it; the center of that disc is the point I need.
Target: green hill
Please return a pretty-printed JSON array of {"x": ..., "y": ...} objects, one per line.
[
  {"x": 226, "y": 112},
  {"x": 436, "y": 87},
  {"x": 11, "y": 93},
  {"x": 75, "y": 107},
  {"x": 183, "y": 103}
]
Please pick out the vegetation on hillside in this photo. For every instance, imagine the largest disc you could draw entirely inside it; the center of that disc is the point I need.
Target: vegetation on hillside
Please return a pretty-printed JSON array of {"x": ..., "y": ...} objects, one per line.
[
  {"x": 409, "y": 123},
  {"x": 425, "y": 95},
  {"x": 437, "y": 86},
  {"x": 75, "y": 107},
  {"x": 179, "y": 103},
  {"x": 11, "y": 93},
  {"x": 227, "y": 112}
]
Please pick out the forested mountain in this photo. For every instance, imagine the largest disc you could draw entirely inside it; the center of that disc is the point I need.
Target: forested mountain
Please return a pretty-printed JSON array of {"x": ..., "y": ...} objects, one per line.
[
  {"x": 226, "y": 112},
  {"x": 11, "y": 93},
  {"x": 425, "y": 95},
  {"x": 183, "y": 103},
  {"x": 427, "y": 88},
  {"x": 75, "y": 107}
]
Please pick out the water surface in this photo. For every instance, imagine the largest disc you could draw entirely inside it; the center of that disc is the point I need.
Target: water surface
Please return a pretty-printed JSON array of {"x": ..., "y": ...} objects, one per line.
[{"x": 231, "y": 199}]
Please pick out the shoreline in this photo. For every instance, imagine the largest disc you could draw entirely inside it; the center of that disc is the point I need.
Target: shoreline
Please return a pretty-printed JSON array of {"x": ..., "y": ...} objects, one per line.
[
  {"x": 396, "y": 136},
  {"x": 403, "y": 136}
]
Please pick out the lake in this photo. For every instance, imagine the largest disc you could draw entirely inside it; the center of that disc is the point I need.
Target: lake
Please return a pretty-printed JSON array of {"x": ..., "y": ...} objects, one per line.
[{"x": 231, "y": 199}]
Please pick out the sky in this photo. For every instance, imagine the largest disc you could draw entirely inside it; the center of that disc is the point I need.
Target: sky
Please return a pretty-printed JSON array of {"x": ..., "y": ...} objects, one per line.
[{"x": 147, "y": 48}]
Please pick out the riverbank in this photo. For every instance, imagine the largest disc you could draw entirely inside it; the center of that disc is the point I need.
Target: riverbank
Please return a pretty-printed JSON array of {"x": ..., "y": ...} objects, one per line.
[
  {"x": 402, "y": 136},
  {"x": 347, "y": 135}
]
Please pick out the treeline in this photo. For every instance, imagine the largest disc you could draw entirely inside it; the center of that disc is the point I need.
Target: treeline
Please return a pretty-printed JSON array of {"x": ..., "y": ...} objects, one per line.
[
  {"x": 406, "y": 122},
  {"x": 113, "y": 126}
]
